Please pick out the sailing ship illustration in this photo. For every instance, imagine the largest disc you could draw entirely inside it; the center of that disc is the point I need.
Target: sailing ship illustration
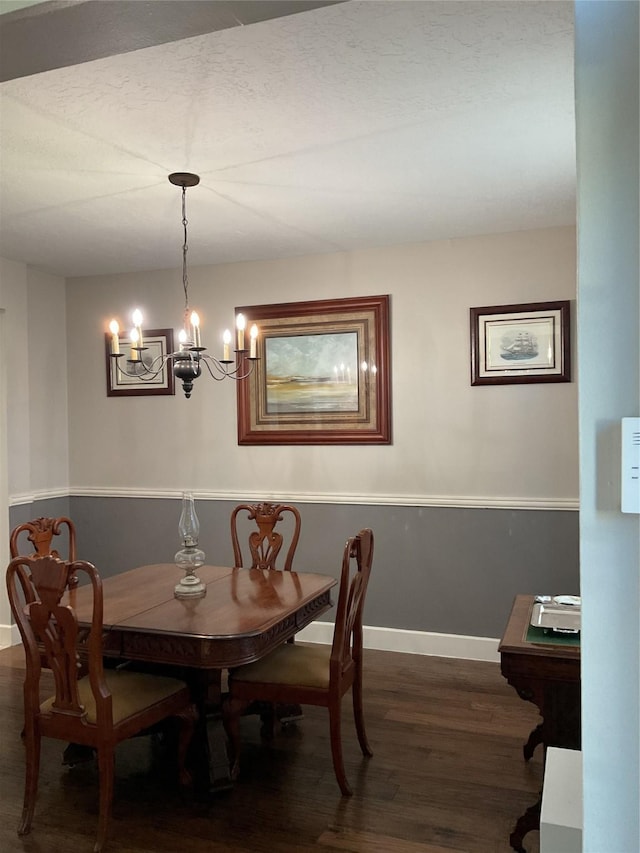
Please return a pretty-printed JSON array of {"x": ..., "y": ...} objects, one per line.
[{"x": 519, "y": 348}]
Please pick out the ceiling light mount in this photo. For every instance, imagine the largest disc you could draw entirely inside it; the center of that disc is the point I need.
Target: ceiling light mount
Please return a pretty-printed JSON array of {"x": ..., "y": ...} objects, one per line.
[
  {"x": 186, "y": 363},
  {"x": 184, "y": 179}
]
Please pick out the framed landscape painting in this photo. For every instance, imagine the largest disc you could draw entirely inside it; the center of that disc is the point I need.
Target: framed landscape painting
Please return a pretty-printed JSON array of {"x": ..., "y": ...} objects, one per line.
[{"x": 322, "y": 374}]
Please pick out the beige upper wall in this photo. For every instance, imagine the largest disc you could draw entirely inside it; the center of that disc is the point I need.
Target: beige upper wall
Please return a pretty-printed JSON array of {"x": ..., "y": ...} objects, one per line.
[
  {"x": 34, "y": 365},
  {"x": 451, "y": 441},
  {"x": 13, "y": 304},
  {"x": 48, "y": 434}
]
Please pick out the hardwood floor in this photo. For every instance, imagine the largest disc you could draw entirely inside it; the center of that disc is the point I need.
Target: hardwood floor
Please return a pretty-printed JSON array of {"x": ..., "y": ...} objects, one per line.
[{"x": 447, "y": 775}]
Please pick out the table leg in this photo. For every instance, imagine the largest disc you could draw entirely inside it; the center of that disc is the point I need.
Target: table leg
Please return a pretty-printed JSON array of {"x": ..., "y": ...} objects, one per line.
[
  {"x": 207, "y": 755},
  {"x": 528, "y": 821},
  {"x": 534, "y": 739}
]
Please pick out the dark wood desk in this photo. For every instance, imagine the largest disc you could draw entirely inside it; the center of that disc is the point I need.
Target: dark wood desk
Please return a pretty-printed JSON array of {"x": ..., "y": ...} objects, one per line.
[
  {"x": 245, "y": 614},
  {"x": 548, "y": 675}
]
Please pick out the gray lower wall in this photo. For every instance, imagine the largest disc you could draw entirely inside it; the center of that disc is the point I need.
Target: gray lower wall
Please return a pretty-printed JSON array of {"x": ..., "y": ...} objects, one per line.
[{"x": 448, "y": 570}]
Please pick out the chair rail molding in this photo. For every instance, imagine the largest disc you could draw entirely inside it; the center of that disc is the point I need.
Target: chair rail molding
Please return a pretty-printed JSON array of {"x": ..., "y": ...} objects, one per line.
[{"x": 459, "y": 501}]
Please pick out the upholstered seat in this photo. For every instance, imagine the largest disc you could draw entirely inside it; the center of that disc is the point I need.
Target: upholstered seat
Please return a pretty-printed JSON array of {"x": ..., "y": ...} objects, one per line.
[{"x": 303, "y": 666}]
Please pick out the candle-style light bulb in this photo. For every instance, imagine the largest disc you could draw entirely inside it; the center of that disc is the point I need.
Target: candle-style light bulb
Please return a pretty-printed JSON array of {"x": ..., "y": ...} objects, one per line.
[
  {"x": 226, "y": 343},
  {"x": 240, "y": 326},
  {"x": 254, "y": 337},
  {"x": 137, "y": 322},
  {"x": 114, "y": 328},
  {"x": 195, "y": 323},
  {"x": 182, "y": 339}
]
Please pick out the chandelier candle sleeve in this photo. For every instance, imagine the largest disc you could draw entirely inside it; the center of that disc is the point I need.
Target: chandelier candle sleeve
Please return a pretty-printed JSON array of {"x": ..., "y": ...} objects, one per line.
[
  {"x": 254, "y": 336},
  {"x": 137, "y": 322},
  {"x": 135, "y": 355},
  {"x": 226, "y": 342},
  {"x": 114, "y": 328},
  {"x": 240, "y": 325},
  {"x": 195, "y": 323}
]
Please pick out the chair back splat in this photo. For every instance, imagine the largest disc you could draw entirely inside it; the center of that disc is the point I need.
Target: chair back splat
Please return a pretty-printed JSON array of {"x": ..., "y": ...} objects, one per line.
[
  {"x": 40, "y": 533},
  {"x": 314, "y": 674},
  {"x": 266, "y": 542},
  {"x": 99, "y": 709}
]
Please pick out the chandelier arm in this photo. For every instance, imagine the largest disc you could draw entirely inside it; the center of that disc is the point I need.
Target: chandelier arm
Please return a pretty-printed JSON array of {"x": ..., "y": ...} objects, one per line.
[
  {"x": 220, "y": 372},
  {"x": 226, "y": 372},
  {"x": 148, "y": 371}
]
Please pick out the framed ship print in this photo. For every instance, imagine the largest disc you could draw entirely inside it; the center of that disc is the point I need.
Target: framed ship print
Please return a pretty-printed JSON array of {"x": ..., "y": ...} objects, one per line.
[
  {"x": 520, "y": 343},
  {"x": 322, "y": 375}
]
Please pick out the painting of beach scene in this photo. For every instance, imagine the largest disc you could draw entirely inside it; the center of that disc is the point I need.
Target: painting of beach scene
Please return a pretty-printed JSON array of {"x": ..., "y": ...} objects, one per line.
[{"x": 314, "y": 373}]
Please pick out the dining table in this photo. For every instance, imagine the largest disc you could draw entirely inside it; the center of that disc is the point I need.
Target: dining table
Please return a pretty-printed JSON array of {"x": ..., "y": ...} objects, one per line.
[{"x": 243, "y": 615}]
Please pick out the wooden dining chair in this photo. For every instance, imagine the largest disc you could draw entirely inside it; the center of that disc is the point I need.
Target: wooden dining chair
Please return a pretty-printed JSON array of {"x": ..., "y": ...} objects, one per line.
[
  {"x": 313, "y": 674},
  {"x": 266, "y": 542},
  {"x": 98, "y": 709},
  {"x": 265, "y": 545}
]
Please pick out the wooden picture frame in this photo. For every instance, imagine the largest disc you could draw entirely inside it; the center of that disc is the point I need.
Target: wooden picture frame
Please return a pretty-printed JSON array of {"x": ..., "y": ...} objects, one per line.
[
  {"x": 526, "y": 343},
  {"x": 123, "y": 381},
  {"x": 322, "y": 375}
]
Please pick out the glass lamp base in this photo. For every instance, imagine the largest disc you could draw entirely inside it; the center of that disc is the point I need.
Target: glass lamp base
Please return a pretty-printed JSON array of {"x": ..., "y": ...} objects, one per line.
[
  {"x": 190, "y": 587},
  {"x": 189, "y": 559}
]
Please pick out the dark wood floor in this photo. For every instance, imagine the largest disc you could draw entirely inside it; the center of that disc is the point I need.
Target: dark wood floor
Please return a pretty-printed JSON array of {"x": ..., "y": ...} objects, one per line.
[{"x": 447, "y": 776}]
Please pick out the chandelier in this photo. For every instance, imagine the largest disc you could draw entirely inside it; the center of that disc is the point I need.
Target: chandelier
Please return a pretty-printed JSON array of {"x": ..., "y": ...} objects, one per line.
[{"x": 187, "y": 362}]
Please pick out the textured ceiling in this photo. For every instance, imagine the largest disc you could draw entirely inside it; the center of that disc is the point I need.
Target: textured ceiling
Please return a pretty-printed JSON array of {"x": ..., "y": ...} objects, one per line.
[{"x": 348, "y": 126}]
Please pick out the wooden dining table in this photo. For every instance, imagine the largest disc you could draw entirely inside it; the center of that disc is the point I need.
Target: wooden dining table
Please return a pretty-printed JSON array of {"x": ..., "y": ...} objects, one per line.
[{"x": 244, "y": 614}]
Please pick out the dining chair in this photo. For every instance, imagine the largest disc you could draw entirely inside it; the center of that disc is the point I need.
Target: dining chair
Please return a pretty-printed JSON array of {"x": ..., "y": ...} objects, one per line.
[
  {"x": 39, "y": 532},
  {"x": 266, "y": 542},
  {"x": 265, "y": 545},
  {"x": 314, "y": 674},
  {"x": 98, "y": 709}
]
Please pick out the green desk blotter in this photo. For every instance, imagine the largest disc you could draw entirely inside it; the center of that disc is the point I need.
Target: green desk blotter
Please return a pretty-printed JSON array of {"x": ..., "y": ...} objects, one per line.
[{"x": 551, "y": 638}]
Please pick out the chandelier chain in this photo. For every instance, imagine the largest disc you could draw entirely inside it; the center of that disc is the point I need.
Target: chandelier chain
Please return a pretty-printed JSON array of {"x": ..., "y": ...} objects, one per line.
[{"x": 185, "y": 248}]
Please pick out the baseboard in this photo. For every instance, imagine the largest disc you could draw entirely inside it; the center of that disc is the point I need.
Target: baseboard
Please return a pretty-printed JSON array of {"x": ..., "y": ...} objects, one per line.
[
  {"x": 383, "y": 639},
  {"x": 412, "y": 642},
  {"x": 9, "y": 636}
]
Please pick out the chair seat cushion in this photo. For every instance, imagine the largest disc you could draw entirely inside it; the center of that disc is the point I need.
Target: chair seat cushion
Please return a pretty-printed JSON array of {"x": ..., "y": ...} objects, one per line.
[
  {"x": 131, "y": 692},
  {"x": 291, "y": 663}
]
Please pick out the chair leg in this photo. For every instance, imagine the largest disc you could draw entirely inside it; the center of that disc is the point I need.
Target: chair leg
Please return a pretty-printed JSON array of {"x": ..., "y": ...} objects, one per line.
[
  {"x": 32, "y": 770},
  {"x": 232, "y": 710},
  {"x": 187, "y": 721},
  {"x": 336, "y": 746},
  {"x": 106, "y": 767},
  {"x": 358, "y": 715}
]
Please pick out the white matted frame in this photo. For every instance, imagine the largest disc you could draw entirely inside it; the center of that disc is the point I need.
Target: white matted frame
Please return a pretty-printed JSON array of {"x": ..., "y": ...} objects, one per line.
[
  {"x": 520, "y": 343},
  {"x": 124, "y": 379}
]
